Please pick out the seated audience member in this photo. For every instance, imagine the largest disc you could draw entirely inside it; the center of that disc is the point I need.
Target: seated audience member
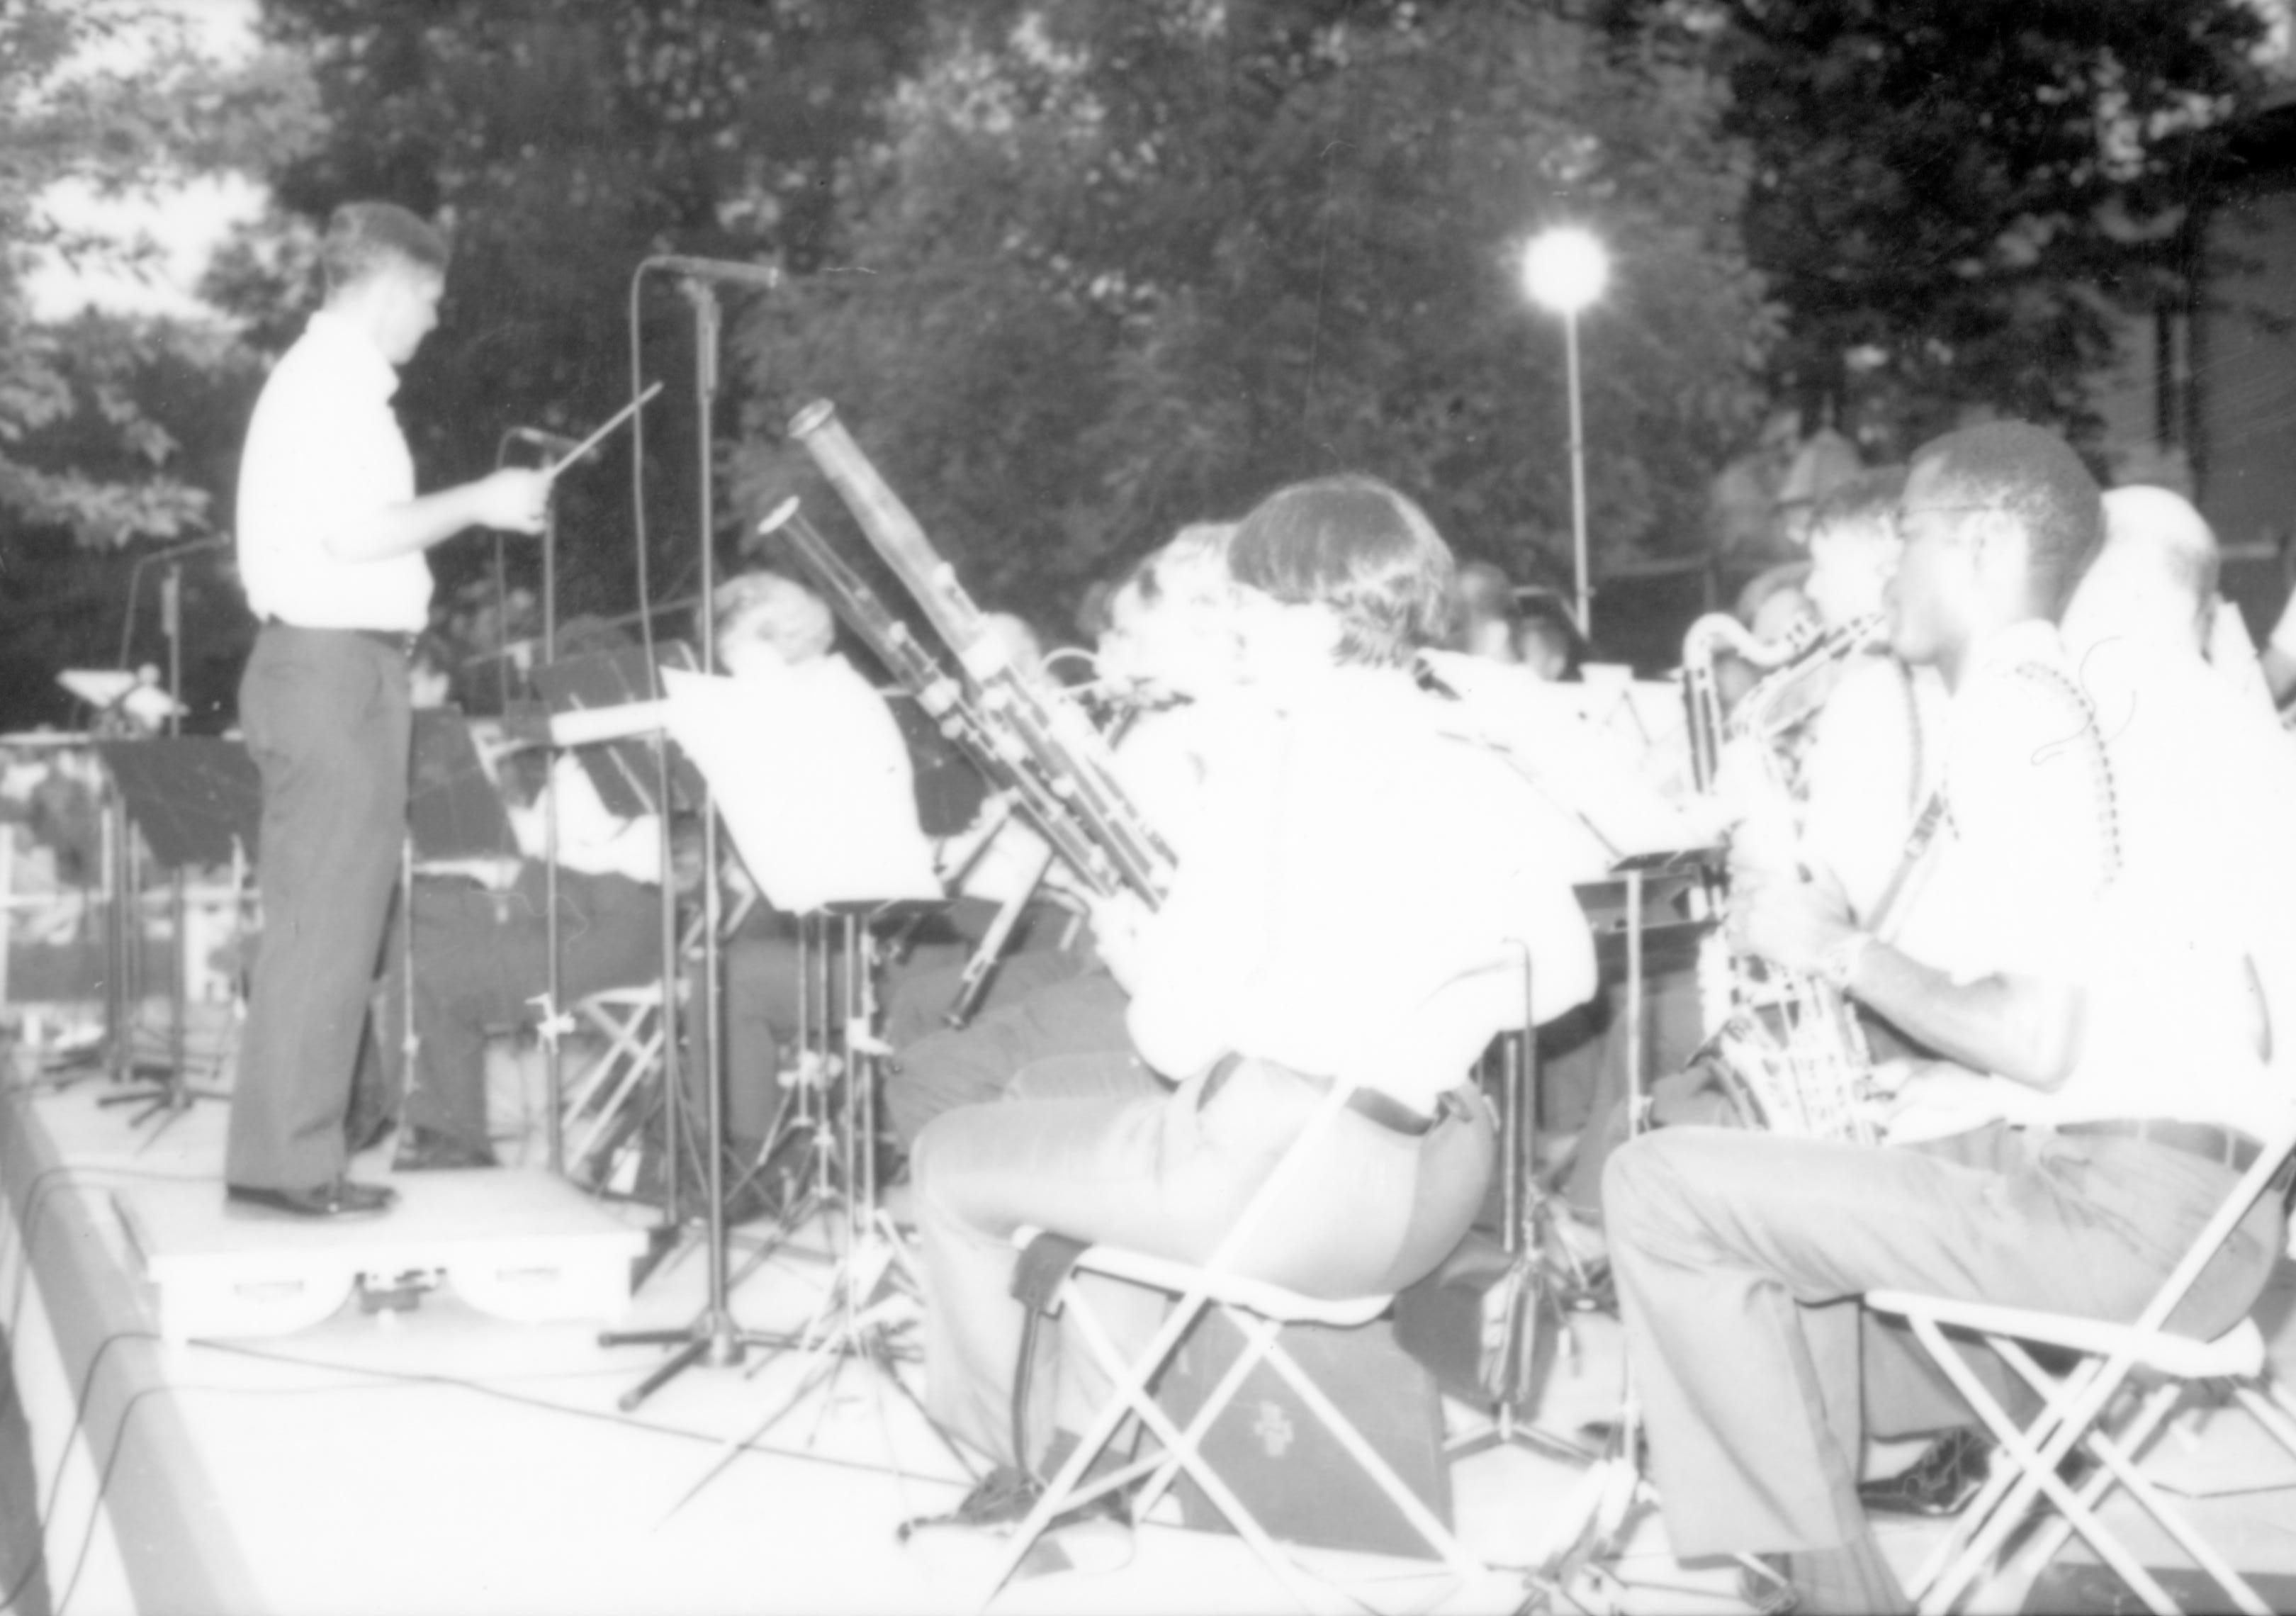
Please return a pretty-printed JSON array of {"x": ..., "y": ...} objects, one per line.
[
  {"x": 1354, "y": 896},
  {"x": 2024, "y": 1162}
]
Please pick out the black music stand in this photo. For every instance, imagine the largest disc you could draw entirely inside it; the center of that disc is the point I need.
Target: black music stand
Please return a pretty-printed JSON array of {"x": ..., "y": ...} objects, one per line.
[
  {"x": 197, "y": 802},
  {"x": 1681, "y": 883}
]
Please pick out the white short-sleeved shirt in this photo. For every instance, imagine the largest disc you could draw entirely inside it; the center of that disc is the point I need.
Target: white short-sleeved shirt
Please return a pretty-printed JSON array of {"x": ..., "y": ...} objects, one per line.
[
  {"x": 1354, "y": 896},
  {"x": 2012, "y": 882},
  {"x": 2198, "y": 937},
  {"x": 323, "y": 449}
]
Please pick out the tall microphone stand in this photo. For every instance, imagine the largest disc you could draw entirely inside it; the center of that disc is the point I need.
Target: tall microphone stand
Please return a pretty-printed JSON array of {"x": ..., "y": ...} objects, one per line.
[
  {"x": 715, "y": 1337},
  {"x": 173, "y": 1093}
]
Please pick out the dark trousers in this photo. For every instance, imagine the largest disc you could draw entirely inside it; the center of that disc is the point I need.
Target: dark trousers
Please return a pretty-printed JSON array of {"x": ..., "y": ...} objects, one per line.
[
  {"x": 1741, "y": 1257},
  {"x": 325, "y": 712},
  {"x": 480, "y": 958}
]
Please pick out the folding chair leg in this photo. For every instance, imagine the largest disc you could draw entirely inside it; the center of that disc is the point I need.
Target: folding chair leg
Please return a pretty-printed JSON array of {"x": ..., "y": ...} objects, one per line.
[
  {"x": 2039, "y": 1468},
  {"x": 2271, "y": 1409},
  {"x": 1439, "y": 1536}
]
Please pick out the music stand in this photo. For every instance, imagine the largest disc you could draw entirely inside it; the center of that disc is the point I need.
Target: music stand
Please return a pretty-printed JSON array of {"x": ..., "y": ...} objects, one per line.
[
  {"x": 632, "y": 775},
  {"x": 197, "y": 802},
  {"x": 829, "y": 844},
  {"x": 1594, "y": 1522}
]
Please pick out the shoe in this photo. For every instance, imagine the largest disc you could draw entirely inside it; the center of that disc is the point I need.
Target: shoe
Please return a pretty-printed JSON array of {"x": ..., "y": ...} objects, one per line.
[
  {"x": 1094, "y": 1539},
  {"x": 341, "y": 1199},
  {"x": 1940, "y": 1483},
  {"x": 425, "y": 1150}
]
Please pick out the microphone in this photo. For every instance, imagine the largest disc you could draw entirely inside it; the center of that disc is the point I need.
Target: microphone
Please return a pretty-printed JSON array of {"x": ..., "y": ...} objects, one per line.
[
  {"x": 556, "y": 445},
  {"x": 762, "y": 276}
]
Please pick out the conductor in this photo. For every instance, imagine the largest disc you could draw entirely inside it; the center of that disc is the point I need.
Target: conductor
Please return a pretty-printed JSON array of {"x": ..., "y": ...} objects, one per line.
[{"x": 331, "y": 536}]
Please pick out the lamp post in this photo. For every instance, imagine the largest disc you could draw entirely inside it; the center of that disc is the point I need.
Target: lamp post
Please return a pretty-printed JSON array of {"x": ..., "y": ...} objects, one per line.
[{"x": 1564, "y": 269}]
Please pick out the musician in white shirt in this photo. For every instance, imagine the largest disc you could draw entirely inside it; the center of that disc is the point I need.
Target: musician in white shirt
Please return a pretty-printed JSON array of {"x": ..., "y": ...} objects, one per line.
[
  {"x": 1354, "y": 901},
  {"x": 331, "y": 540},
  {"x": 1740, "y": 1256}
]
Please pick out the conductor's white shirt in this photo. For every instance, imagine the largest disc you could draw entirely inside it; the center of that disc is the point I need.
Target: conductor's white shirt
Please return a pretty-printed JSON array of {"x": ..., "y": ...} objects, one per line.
[{"x": 322, "y": 450}]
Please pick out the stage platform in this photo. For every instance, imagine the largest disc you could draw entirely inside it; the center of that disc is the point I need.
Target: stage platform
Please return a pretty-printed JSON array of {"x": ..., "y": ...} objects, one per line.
[{"x": 441, "y": 1458}]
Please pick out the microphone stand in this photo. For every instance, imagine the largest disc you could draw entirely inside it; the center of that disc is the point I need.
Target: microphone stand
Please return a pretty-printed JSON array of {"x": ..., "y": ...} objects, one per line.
[
  {"x": 173, "y": 1093},
  {"x": 714, "y": 1337}
]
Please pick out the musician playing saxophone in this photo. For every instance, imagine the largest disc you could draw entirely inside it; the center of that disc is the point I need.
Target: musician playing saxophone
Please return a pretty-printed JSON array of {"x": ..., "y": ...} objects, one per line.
[{"x": 1740, "y": 1256}]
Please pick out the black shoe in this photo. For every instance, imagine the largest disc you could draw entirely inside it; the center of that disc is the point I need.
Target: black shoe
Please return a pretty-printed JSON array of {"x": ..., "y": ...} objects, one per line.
[
  {"x": 341, "y": 1199},
  {"x": 1940, "y": 1483},
  {"x": 1001, "y": 1498},
  {"x": 423, "y": 1150}
]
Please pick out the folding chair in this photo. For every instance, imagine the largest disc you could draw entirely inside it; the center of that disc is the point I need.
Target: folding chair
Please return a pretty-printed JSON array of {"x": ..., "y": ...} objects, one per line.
[
  {"x": 630, "y": 1021},
  {"x": 2085, "y": 1408},
  {"x": 1260, "y": 1312}
]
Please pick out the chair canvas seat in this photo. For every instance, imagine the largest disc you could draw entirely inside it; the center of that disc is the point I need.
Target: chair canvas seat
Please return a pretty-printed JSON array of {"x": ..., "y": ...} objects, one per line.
[{"x": 2100, "y": 1407}]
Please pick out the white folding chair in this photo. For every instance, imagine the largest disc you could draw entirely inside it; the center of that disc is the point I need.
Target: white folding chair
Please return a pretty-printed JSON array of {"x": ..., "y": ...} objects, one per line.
[
  {"x": 1260, "y": 1312},
  {"x": 630, "y": 1023},
  {"x": 2085, "y": 1408}
]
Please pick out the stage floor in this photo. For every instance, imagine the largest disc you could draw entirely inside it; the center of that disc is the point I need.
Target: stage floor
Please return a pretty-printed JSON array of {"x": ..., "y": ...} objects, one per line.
[{"x": 444, "y": 1460}]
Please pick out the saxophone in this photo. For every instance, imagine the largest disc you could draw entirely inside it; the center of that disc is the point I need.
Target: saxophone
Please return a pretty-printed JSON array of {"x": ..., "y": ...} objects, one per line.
[
  {"x": 1787, "y": 1046},
  {"x": 1035, "y": 735}
]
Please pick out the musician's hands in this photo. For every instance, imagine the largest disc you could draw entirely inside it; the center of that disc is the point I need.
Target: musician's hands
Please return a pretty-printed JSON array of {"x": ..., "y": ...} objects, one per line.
[
  {"x": 1783, "y": 918},
  {"x": 1934, "y": 1099},
  {"x": 515, "y": 499},
  {"x": 1118, "y": 921}
]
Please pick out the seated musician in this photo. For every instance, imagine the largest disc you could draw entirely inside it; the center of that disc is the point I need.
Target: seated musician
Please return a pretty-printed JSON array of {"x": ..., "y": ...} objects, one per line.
[
  {"x": 2025, "y": 1164},
  {"x": 1354, "y": 899},
  {"x": 480, "y": 952},
  {"x": 1170, "y": 645}
]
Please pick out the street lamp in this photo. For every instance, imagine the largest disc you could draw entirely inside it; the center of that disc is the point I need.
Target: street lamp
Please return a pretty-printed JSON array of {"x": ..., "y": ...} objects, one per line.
[{"x": 1564, "y": 269}]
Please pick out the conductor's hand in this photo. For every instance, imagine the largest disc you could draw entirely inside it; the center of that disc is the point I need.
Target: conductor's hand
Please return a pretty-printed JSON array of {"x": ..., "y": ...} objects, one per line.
[{"x": 515, "y": 499}]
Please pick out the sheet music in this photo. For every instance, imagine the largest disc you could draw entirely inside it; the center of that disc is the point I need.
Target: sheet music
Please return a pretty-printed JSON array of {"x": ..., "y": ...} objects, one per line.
[{"x": 809, "y": 770}]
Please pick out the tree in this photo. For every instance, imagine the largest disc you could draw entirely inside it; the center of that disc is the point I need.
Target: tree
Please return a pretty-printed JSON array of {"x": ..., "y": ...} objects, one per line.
[
  {"x": 110, "y": 426},
  {"x": 1123, "y": 266},
  {"x": 561, "y": 142},
  {"x": 1953, "y": 202}
]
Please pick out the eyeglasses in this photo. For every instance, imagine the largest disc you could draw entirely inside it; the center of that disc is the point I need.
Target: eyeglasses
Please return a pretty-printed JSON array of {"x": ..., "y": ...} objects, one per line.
[{"x": 1900, "y": 517}]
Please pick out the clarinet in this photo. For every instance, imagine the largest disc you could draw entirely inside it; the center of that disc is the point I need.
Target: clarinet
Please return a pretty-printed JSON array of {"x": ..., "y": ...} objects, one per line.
[
  {"x": 939, "y": 693},
  {"x": 1036, "y": 730}
]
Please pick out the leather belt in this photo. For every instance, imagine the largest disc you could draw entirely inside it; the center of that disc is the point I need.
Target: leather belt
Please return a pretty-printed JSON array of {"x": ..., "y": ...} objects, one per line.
[
  {"x": 2226, "y": 1145},
  {"x": 1370, "y": 1104},
  {"x": 400, "y": 641}
]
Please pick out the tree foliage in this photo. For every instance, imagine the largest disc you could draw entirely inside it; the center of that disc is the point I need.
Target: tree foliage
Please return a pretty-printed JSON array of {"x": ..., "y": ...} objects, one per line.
[
  {"x": 1954, "y": 202},
  {"x": 1123, "y": 265},
  {"x": 561, "y": 142},
  {"x": 79, "y": 447}
]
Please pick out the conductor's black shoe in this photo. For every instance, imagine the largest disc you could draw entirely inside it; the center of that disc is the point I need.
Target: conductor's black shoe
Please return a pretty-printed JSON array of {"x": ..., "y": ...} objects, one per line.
[
  {"x": 1940, "y": 1483},
  {"x": 340, "y": 1199},
  {"x": 423, "y": 1150}
]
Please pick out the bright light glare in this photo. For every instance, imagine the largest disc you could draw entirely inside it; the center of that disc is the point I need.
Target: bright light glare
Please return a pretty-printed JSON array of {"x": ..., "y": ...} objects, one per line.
[{"x": 1564, "y": 269}]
